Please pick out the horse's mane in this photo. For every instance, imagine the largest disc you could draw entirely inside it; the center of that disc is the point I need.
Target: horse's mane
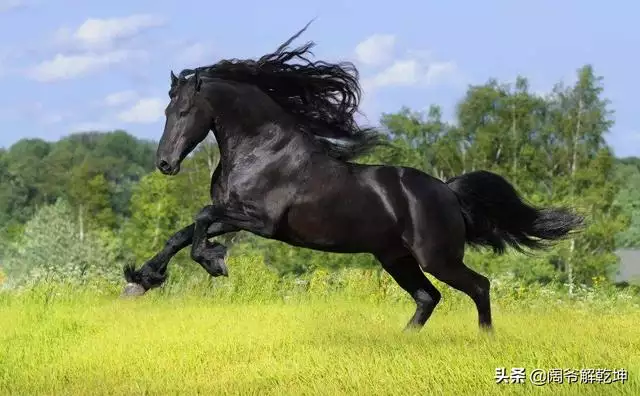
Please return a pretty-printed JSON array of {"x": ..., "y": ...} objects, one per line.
[{"x": 323, "y": 97}]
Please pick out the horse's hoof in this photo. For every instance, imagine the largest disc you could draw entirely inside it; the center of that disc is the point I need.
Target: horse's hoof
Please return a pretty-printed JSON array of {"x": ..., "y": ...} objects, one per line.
[
  {"x": 224, "y": 270},
  {"x": 220, "y": 271},
  {"x": 132, "y": 290},
  {"x": 217, "y": 267}
]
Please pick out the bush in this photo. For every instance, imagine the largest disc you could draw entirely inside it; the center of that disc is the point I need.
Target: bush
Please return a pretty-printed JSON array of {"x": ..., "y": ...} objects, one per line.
[{"x": 51, "y": 249}]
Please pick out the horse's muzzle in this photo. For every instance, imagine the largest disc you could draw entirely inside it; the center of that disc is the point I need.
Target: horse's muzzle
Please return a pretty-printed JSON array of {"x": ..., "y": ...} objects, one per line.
[{"x": 166, "y": 168}]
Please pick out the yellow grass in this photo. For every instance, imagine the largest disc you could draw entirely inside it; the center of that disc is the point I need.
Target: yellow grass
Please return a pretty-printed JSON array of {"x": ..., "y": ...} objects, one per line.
[{"x": 158, "y": 345}]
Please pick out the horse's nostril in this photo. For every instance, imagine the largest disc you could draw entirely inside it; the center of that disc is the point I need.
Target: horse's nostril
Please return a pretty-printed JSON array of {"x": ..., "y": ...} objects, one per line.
[{"x": 163, "y": 165}]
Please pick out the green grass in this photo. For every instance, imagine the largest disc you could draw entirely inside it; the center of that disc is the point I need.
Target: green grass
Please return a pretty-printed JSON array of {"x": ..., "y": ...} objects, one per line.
[{"x": 78, "y": 343}]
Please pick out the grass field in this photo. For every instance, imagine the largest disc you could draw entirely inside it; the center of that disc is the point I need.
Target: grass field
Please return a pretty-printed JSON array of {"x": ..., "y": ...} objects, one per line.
[{"x": 85, "y": 344}]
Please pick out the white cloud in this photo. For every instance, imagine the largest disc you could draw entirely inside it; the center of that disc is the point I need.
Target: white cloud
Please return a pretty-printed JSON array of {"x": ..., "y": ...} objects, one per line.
[
  {"x": 64, "y": 67},
  {"x": 415, "y": 68},
  {"x": 376, "y": 49},
  {"x": 120, "y": 98},
  {"x": 401, "y": 72},
  {"x": 144, "y": 111},
  {"x": 438, "y": 72},
  {"x": 414, "y": 72},
  {"x": 93, "y": 46},
  {"x": 195, "y": 54},
  {"x": 9, "y": 5},
  {"x": 104, "y": 33}
]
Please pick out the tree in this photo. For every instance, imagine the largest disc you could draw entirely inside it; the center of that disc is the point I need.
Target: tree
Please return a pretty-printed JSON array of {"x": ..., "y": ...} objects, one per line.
[
  {"x": 628, "y": 201},
  {"x": 24, "y": 180},
  {"x": 50, "y": 249},
  {"x": 583, "y": 173},
  {"x": 89, "y": 192},
  {"x": 35, "y": 173}
]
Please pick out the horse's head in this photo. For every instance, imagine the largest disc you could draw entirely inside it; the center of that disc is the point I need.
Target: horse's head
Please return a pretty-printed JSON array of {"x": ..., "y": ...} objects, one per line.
[{"x": 188, "y": 121}]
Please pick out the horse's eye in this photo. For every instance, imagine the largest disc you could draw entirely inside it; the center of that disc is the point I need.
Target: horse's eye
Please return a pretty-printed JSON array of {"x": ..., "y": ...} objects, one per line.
[{"x": 183, "y": 113}]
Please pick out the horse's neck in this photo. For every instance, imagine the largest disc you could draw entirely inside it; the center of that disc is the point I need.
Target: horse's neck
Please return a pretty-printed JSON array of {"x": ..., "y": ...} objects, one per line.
[
  {"x": 244, "y": 130},
  {"x": 274, "y": 143}
]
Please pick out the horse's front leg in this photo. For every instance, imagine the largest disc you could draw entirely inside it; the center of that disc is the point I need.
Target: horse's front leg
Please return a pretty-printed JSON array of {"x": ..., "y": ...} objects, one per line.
[
  {"x": 217, "y": 220},
  {"x": 210, "y": 255},
  {"x": 154, "y": 272}
]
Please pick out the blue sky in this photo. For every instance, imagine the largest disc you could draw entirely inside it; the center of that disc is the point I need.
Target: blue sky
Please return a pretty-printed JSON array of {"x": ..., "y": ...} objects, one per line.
[{"x": 67, "y": 66}]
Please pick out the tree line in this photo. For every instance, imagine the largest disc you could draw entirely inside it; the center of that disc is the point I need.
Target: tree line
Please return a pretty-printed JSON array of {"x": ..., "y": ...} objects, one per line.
[{"x": 88, "y": 203}]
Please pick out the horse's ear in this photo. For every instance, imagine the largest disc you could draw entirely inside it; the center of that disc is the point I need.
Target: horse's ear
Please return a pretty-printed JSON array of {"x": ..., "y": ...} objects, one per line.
[
  {"x": 174, "y": 79},
  {"x": 198, "y": 80}
]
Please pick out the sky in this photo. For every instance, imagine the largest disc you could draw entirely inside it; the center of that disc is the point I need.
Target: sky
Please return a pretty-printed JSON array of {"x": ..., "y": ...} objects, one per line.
[{"x": 69, "y": 66}]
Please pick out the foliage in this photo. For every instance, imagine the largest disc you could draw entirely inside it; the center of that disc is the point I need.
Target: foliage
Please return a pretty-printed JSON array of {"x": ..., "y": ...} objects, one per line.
[
  {"x": 51, "y": 249},
  {"x": 34, "y": 172},
  {"x": 628, "y": 200}
]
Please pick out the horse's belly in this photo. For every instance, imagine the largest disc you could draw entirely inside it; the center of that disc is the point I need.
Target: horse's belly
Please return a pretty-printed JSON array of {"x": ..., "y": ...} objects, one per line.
[{"x": 336, "y": 230}]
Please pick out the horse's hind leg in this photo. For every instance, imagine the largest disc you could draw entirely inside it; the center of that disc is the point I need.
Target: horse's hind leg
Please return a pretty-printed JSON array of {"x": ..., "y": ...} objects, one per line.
[
  {"x": 457, "y": 275},
  {"x": 404, "y": 269},
  {"x": 476, "y": 286}
]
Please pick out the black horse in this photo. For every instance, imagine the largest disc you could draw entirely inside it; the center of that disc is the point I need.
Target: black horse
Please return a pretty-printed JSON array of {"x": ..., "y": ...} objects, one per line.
[{"x": 286, "y": 132}]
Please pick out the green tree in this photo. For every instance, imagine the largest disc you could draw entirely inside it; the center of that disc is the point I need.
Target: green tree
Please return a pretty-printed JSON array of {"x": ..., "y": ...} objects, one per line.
[
  {"x": 89, "y": 192},
  {"x": 628, "y": 201},
  {"x": 50, "y": 248},
  {"x": 583, "y": 173},
  {"x": 35, "y": 173}
]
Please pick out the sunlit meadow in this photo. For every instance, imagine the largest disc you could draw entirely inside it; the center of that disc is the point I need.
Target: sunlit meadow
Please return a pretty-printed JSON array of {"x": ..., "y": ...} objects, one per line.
[{"x": 329, "y": 333}]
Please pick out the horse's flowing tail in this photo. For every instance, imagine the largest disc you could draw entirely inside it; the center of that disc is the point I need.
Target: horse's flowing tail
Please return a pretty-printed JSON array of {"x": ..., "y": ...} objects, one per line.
[{"x": 496, "y": 216}]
